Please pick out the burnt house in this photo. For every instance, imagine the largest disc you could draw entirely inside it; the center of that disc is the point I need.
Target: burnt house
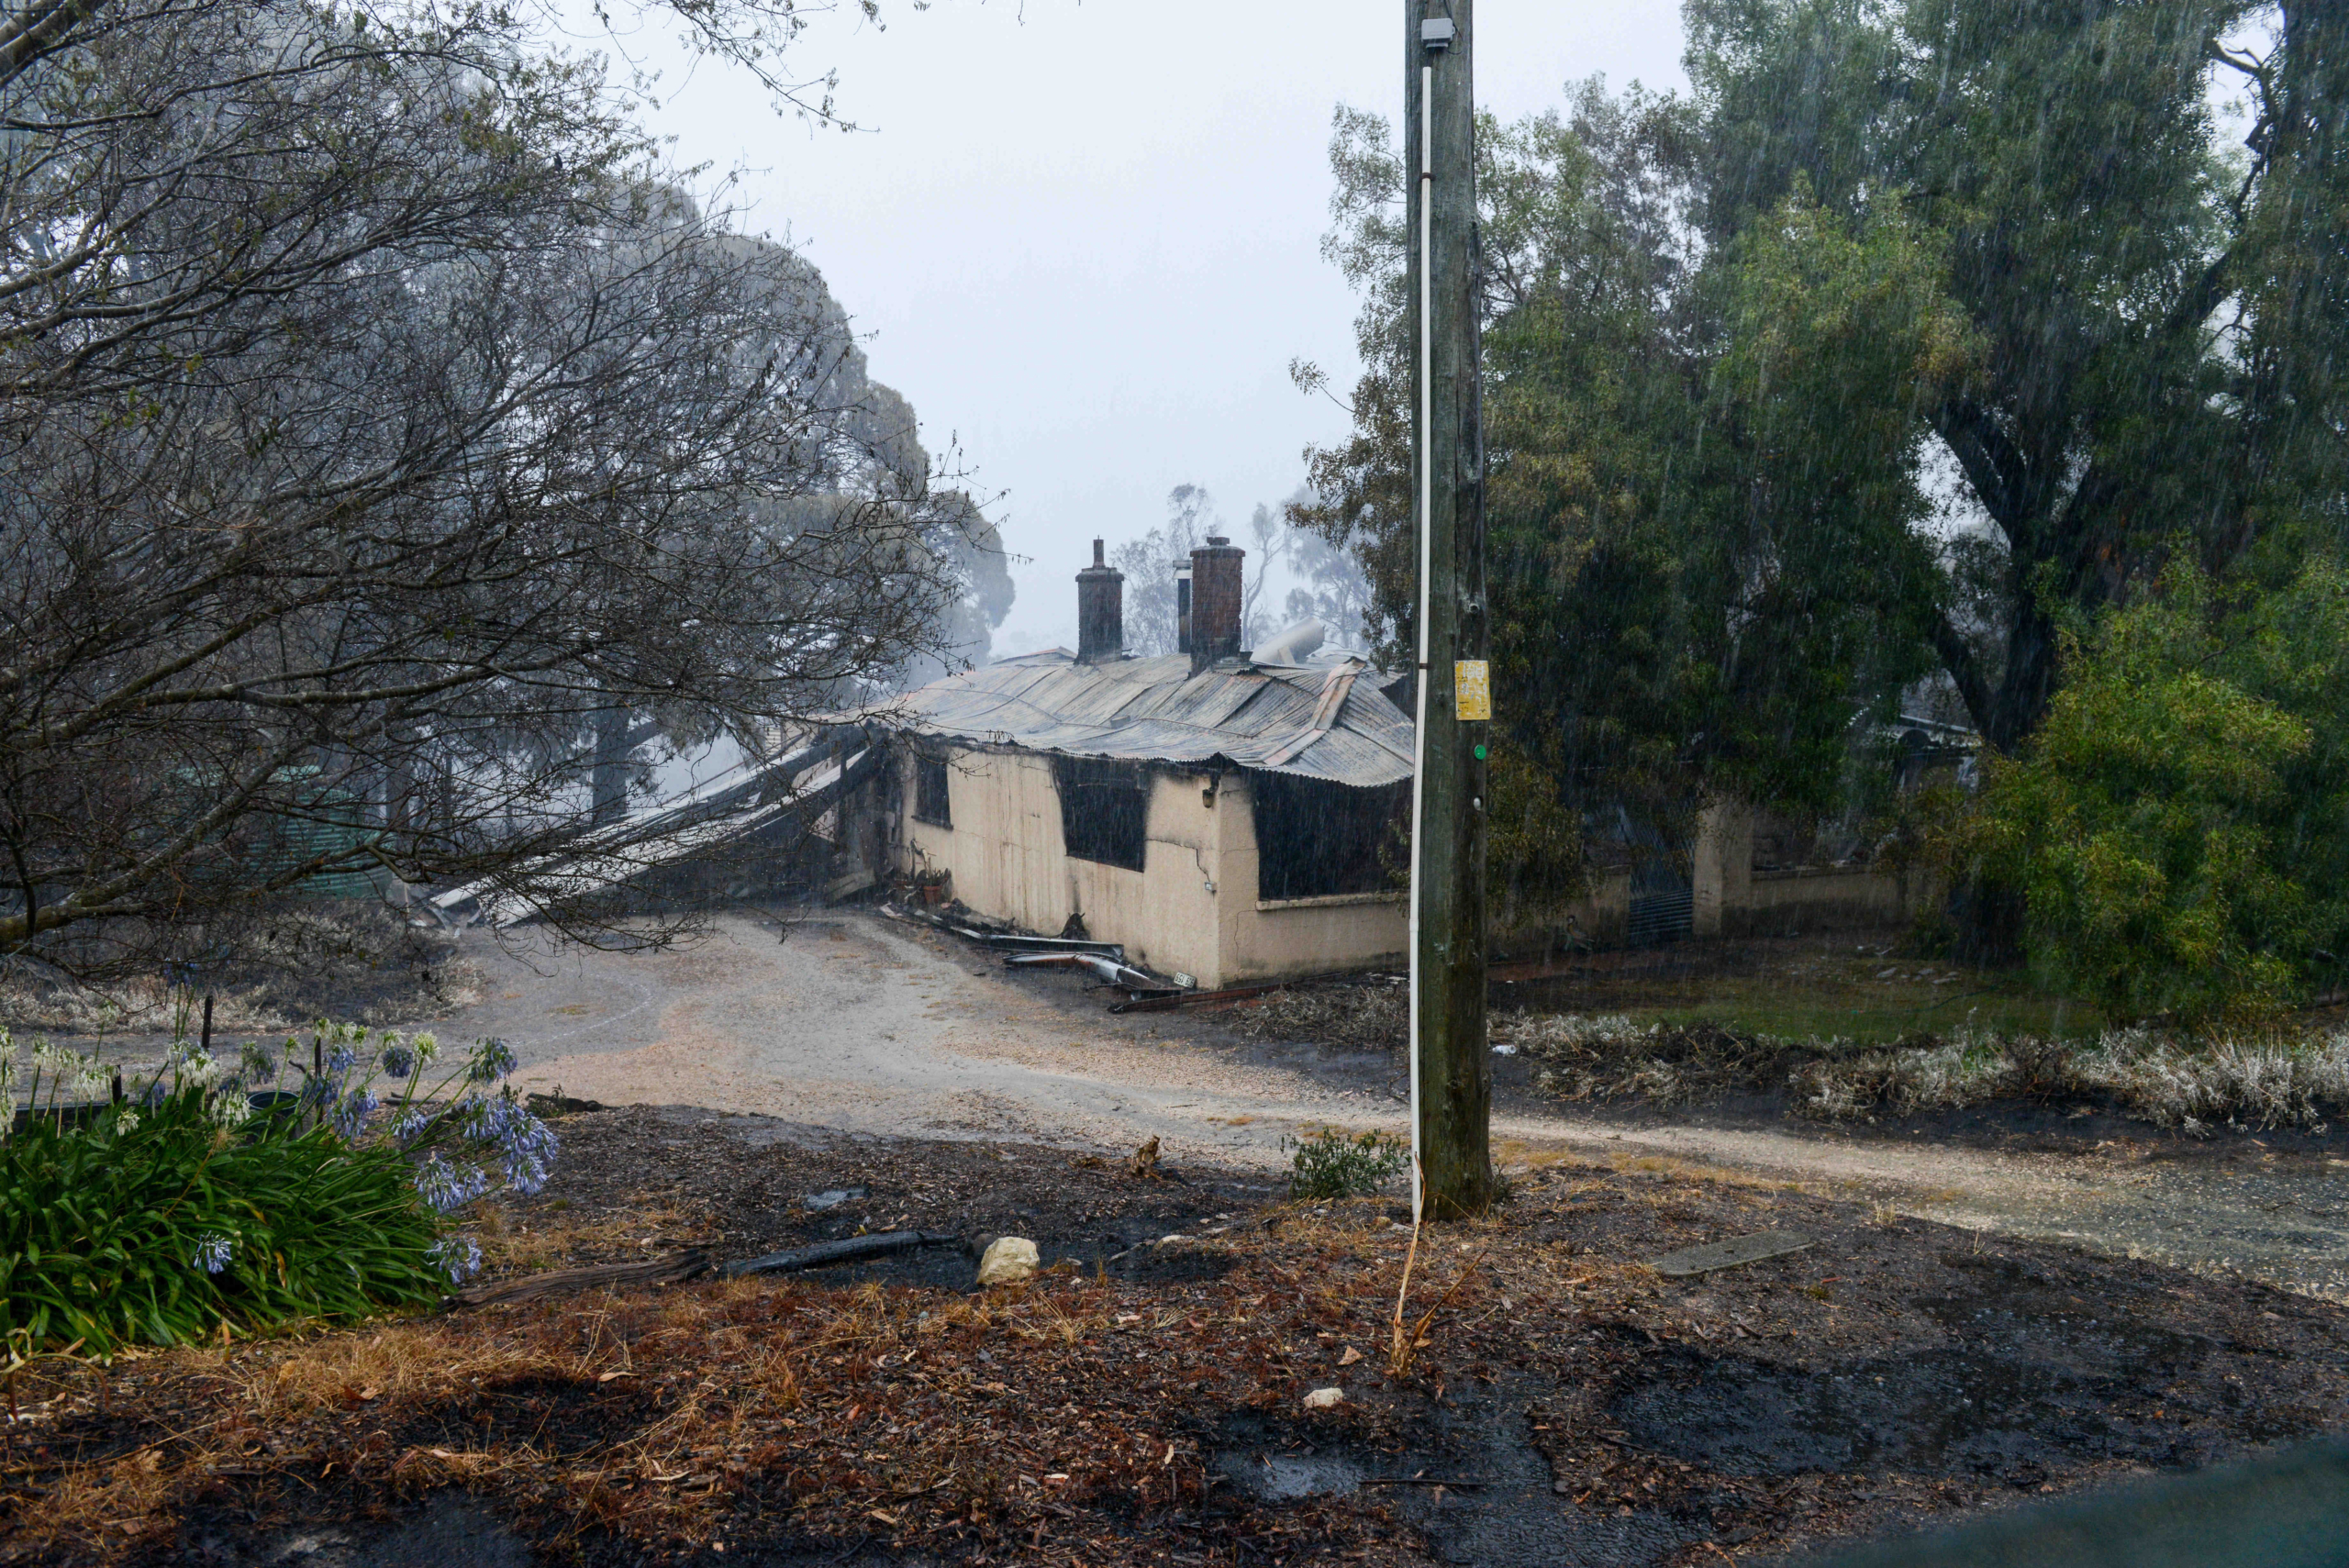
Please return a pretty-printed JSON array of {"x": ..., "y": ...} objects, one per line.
[{"x": 1228, "y": 814}]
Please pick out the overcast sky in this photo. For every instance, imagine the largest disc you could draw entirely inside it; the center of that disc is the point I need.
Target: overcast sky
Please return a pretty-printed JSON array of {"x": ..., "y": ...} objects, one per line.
[{"x": 1085, "y": 239}]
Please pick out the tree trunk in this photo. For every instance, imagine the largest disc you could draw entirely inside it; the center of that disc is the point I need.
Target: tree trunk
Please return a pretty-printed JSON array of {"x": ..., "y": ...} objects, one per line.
[{"x": 611, "y": 764}]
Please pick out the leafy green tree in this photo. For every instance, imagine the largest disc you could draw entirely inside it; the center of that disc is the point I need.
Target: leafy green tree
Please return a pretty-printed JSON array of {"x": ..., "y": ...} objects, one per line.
[
  {"x": 1686, "y": 597},
  {"x": 1921, "y": 331},
  {"x": 2124, "y": 391},
  {"x": 2179, "y": 823}
]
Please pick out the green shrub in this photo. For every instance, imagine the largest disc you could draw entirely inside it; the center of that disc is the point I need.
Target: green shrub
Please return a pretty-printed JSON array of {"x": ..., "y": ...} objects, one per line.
[
  {"x": 2179, "y": 825},
  {"x": 156, "y": 1225},
  {"x": 161, "y": 1218},
  {"x": 1330, "y": 1165}
]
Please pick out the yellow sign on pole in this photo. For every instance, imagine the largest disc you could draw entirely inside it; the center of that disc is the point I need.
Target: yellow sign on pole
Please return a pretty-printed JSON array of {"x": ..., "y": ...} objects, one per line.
[{"x": 1472, "y": 684}]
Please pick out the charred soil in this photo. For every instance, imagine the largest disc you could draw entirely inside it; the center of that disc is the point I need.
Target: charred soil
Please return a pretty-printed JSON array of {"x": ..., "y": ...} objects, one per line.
[{"x": 1567, "y": 1402}]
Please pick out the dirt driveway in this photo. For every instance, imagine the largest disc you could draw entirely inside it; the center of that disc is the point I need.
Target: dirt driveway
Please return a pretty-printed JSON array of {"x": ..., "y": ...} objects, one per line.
[{"x": 853, "y": 1022}]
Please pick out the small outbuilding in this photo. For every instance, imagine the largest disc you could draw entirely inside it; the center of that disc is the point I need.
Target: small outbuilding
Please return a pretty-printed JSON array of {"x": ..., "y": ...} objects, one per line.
[{"x": 1228, "y": 814}]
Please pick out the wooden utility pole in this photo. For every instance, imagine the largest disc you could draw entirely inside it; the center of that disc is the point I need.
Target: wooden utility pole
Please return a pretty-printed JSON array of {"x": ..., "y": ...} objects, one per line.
[{"x": 1452, "y": 1088}]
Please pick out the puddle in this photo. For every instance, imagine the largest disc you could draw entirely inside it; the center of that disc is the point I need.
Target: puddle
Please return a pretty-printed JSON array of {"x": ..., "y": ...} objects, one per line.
[
  {"x": 1285, "y": 1477},
  {"x": 1505, "y": 1516},
  {"x": 449, "y": 1530}
]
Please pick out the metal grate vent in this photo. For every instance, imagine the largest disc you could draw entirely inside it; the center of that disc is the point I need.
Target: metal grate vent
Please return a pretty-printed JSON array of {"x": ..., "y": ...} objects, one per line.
[{"x": 1659, "y": 917}]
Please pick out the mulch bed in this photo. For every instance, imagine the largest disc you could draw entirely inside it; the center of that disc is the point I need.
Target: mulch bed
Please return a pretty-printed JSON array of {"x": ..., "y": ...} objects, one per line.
[{"x": 1568, "y": 1403}]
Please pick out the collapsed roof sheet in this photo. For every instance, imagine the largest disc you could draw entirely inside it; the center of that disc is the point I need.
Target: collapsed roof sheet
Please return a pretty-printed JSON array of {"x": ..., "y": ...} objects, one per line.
[
  {"x": 1330, "y": 723},
  {"x": 718, "y": 811}
]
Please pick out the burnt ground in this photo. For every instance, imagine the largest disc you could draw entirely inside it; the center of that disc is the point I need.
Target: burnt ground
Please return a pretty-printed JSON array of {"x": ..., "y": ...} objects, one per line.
[
  {"x": 746, "y": 1182},
  {"x": 1564, "y": 1403}
]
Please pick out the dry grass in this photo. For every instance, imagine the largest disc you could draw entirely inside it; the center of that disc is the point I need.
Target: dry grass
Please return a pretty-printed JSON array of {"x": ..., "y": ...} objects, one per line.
[
  {"x": 2192, "y": 1086},
  {"x": 2264, "y": 1083},
  {"x": 551, "y": 1236},
  {"x": 1361, "y": 1018},
  {"x": 1070, "y": 1420},
  {"x": 688, "y": 1392},
  {"x": 932, "y": 1420},
  {"x": 1610, "y": 1056}
]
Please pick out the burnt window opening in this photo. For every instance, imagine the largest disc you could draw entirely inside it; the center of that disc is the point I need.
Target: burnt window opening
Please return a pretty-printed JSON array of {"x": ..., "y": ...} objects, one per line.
[
  {"x": 930, "y": 791},
  {"x": 1318, "y": 840},
  {"x": 1105, "y": 810}
]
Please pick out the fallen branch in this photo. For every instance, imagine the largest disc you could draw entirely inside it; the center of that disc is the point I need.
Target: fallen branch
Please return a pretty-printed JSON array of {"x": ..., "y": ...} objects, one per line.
[
  {"x": 854, "y": 1248},
  {"x": 656, "y": 1271}
]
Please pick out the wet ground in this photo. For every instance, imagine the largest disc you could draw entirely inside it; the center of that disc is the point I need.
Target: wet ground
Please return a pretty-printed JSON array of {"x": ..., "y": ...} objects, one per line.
[
  {"x": 1567, "y": 1406},
  {"x": 752, "y": 1186},
  {"x": 846, "y": 1021},
  {"x": 849, "y": 1021}
]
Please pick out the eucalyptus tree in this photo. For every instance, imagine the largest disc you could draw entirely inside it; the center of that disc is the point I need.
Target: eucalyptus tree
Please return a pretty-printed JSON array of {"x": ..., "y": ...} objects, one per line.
[
  {"x": 2143, "y": 298},
  {"x": 375, "y": 416},
  {"x": 1918, "y": 334}
]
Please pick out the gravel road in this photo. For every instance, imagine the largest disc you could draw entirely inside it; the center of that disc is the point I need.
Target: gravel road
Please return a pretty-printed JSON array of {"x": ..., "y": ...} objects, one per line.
[{"x": 851, "y": 1021}]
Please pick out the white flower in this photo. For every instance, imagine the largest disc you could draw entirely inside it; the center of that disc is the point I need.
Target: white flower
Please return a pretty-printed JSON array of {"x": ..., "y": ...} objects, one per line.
[
  {"x": 427, "y": 1046},
  {"x": 190, "y": 1065},
  {"x": 127, "y": 1122}
]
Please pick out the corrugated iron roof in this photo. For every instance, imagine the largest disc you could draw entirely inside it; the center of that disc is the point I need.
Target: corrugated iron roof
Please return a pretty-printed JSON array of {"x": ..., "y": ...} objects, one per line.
[{"x": 1155, "y": 710}]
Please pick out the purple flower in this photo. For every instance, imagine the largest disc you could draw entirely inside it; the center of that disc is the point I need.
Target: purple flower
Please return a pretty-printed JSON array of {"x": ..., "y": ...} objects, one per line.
[
  {"x": 458, "y": 1255},
  {"x": 446, "y": 1187},
  {"x": 351, "y": 1112},
  {"x": 211, "y": 1252},
  {"x": 399, "y": 1062},
  {"x": 493, "y": 1059}
]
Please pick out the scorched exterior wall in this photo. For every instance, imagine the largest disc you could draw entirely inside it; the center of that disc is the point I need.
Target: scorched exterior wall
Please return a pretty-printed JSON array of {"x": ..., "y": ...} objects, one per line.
[{"x": 1192, "y": 908}]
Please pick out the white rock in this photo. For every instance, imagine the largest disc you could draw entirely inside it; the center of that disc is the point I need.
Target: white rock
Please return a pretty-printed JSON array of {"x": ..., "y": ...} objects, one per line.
[
  {"x": 1008, "y": 1260},
  {"x": 1323, "y": 1398}
]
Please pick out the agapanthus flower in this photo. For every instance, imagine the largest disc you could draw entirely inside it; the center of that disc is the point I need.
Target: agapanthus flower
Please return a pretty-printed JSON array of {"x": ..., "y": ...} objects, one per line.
[
  {"x": 192, "y": 1066},
  {"x": 72, "y": 1075},
  {"x": 231, "y": 1106},
  {"x": 458, "y": 1255},
  {"x": 212, "y": 1253},
  {"x": 427, "y": 1046},
  {"x": 399, "y": 1060},
  {"x": 340, "y": 1060},
  {"x": 351, "y": 1113},
  {"x": 493, "y": 1059},
  {"x": 526, "y": 1146},
  {"x": 447, "y": 1187}
]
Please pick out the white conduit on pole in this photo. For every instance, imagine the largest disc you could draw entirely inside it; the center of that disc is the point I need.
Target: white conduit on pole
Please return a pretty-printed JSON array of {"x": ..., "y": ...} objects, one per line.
[{"x": 1426, "y": 512}]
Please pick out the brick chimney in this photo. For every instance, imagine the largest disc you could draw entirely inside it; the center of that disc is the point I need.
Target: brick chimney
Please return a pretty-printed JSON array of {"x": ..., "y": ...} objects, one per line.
[
  {"x": 1214, "y": 603},
  {"x": 1100, "y": 611}
]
